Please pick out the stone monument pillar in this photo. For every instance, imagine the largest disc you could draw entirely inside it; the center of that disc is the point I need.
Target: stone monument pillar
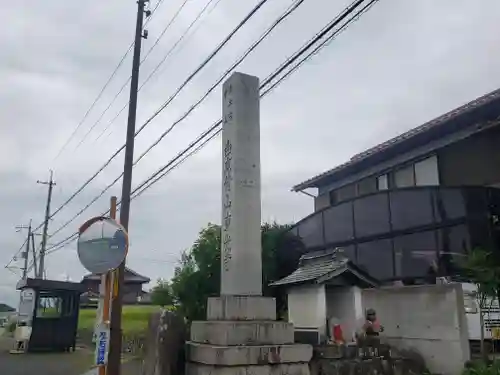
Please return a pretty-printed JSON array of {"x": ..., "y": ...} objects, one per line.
[{"x": 241, "y": 335}]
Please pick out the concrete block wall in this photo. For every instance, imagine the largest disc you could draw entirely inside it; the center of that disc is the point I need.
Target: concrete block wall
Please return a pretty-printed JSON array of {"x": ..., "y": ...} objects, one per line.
[{"x": 429, "y": 319}]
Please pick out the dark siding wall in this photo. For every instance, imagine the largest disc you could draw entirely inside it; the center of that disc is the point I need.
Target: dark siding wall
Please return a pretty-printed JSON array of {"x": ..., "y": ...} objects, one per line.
[
  {"x": 472, "y": 161},
  {"x": 321, "y": 201}
]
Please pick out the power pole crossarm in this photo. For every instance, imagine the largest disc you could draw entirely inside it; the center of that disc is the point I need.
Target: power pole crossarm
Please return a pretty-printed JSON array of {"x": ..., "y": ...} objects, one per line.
[{"x": 51, "y": 184}]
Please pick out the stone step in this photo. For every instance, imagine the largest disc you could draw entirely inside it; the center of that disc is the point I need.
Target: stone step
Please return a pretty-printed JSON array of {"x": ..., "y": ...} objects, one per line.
[
  {"x": 248, "y": 355},
  {"x": 241, "y": 308},
  {"x": 229, "y": 333},
  {"x": 281, "y": 369}
]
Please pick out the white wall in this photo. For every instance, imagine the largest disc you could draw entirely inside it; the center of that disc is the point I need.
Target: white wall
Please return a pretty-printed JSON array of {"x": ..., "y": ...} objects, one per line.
[
  {"x": 344, "y": 305},
  {"x": 307, "y": 307},
  {"x": 429, "y": 319}
]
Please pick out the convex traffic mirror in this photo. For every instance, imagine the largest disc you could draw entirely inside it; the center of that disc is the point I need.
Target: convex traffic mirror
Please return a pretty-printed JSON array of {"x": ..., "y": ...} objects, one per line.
[{"x": 102, "y": 245}]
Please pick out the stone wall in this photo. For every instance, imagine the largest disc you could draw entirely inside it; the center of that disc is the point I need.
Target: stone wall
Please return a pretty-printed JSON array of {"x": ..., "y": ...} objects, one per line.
[
  {"x": 428, "y": 319},
  {"x": 367, "y": 360}
]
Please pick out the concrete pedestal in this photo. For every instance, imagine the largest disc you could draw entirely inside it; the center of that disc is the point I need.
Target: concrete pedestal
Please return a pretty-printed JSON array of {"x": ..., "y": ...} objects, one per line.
[{"x": 242, "y": 337}]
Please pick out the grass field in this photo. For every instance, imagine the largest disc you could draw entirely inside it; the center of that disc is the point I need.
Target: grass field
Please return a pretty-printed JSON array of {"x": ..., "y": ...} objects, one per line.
[{"x": 134, "y": 318}]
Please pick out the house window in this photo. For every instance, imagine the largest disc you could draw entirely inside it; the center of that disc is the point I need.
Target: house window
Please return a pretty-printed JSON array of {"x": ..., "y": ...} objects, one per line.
[
  {"x": 366, "y": 186},
  {"x": 422, "y": 173},
  {"x": 49, "y": 306},
  {"x": 342, "y": 194},
  {"x": 426, "y": 172},
  {"x": 404, "y": 177},
  {"x": 382, "y": 182}
]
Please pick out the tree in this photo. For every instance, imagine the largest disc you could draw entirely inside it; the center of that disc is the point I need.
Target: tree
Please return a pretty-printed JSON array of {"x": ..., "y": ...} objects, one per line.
[
  {"x": 480, "y": 268},
  {"x": 161, "y": 294},
  {"x": 6, "y": 308},
  {"x": 198, "y": 275}
]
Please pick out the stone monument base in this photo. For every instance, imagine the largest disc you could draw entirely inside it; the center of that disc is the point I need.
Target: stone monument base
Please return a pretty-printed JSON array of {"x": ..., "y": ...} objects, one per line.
[{"x": 242, "y": 337}]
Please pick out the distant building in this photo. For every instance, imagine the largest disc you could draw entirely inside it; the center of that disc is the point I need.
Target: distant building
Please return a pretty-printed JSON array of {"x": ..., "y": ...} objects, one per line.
[
  {"x": 402, "y": 209},
  {"x": 132, "y": 293}
]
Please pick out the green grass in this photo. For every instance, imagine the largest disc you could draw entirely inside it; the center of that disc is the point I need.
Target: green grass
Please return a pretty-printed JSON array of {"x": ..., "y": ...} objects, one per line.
[{"x": 134, "y": 318}]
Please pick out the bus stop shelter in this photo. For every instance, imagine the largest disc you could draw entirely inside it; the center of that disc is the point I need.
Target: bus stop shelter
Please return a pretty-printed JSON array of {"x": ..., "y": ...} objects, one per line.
[{"x": 51, "y": 309}]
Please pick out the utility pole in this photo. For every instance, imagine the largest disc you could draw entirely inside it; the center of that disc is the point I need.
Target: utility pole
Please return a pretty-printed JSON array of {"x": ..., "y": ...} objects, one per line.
[
  {"x": 33, "y": 250},
  {"x": 27, "y": 249},
  {"x": 114, "y": 358},
  {"x": 51, "y": 184}
]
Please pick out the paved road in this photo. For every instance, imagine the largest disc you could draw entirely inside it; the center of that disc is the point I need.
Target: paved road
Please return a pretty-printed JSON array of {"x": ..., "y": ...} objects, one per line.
[
  {"x": 76, "y": 363},
  {"x": 43, "y": 363},
  {"x": 129, "y": 368}
]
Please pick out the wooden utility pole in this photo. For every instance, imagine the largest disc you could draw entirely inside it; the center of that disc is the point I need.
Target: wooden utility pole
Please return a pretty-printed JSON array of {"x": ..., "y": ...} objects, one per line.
[
  {"x": 51, "y": 184},
  {"x": 114, "y": 358}
]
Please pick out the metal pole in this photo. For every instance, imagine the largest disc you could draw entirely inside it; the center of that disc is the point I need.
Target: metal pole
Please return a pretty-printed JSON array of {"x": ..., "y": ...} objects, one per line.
[
  {"x": 51, "y": 184},
  {"x": 114, "y": 362}
]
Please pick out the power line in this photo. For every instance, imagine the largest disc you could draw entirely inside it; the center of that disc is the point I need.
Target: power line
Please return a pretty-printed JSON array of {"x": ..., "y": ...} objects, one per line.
[
  {"x": 282, "y": 67},
  {"x": 165, "y": 29},
  {"x": 254, "y": 45},
  {"x": 130, "y": 77},
  {"x": 153, "y": 178},
  {"x": 323, "y": 44},
  {"x": 181, "y": 157},
  {"x": 197, "y": 70},
  {"x": 14, "y": 257},
  {"x": 101, "y": 92},
  {"x": 204, "y": 63},
  {"x": 78, "y": 126},
  {"x": 162, "y": 61}
]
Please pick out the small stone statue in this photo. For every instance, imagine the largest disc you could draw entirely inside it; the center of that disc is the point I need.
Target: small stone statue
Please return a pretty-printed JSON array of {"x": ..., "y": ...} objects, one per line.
[{"x": 369, "y": 334}]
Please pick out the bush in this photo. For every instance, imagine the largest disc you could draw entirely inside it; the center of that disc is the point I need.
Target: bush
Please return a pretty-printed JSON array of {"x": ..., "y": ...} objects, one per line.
[{"x": 482, "y": 368}]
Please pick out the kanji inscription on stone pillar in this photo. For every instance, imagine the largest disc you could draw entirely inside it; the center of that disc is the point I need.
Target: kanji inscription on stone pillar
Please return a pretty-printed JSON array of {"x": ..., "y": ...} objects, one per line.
[{"x": 241, "y": 268}]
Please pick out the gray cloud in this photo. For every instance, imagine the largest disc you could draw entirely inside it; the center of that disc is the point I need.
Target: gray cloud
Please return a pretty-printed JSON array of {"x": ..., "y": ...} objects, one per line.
[{"x": 402, "y": 63}]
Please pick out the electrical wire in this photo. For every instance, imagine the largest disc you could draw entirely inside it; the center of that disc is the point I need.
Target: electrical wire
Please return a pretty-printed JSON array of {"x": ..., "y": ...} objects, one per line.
[
  {"x": 254, "y": 45},
  {"x": 192, "y": 75},
  {"x": 203, "y": 64},
  {"x": 162, "y": 61},
  {"x": 17, "y": 253},
  {"x": 165, "y": 29},
  {"x": 139, "y": 190},
  {"x": 101, "y": 92}
]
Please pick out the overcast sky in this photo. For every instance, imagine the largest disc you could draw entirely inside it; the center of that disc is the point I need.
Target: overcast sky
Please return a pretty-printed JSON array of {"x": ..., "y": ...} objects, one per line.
[{"x": 403, "y": 63}]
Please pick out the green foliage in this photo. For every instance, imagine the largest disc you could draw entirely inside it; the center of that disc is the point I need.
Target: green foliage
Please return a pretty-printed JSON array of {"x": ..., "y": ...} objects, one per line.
[
  {"x": 134, "y": 318},
  {"x": 482, "y": 368},
  {"x": 481, "y": 268},
  {"x": 198, "y": 275},
  {"x": 161, "y": 294},
  {"x": 6, "y": 308}
]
